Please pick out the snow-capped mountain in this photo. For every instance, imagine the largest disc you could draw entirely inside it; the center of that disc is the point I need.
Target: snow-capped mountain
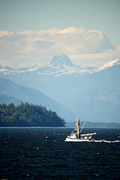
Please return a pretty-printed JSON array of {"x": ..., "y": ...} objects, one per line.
[
  {"x": 91, "y": 93},
  {"x": 109, "y": 64},
  {"x": 59, "y": 65}
]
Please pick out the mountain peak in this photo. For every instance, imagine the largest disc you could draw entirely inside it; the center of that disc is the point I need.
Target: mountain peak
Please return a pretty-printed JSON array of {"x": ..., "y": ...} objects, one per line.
[
  {"x": 61, "y": 60},
  {"x": 6, "y": 68},
  {"x": 109, "y": 64}
]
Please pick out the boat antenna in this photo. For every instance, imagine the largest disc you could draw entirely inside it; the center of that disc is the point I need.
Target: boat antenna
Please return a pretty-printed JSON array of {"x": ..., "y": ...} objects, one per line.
[{"x": 82, "y": 127}]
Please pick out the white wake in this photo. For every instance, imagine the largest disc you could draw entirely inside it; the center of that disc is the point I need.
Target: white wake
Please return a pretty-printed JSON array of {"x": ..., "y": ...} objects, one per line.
[{"x": 105, "y": 141}]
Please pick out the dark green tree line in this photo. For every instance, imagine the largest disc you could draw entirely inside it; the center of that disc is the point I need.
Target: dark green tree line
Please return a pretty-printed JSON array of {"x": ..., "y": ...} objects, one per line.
[{"x": 26, "y": 115}]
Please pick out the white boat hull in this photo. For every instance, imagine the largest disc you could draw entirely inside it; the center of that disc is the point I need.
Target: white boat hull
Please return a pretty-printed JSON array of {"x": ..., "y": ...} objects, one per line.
[{"x": 76, "y": 140}]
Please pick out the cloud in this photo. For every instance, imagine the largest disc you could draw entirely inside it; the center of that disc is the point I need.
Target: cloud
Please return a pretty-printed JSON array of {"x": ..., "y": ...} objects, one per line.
[
  {"x": 6, "y": 33},
  {"x": 38, "y": 47},
  {"x": 96, "y": 42},
  {"x": 43, "y": 44}
]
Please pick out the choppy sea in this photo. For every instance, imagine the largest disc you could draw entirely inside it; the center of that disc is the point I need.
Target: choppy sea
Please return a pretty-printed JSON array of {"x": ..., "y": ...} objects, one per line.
[{"x": 42, "y": 153}]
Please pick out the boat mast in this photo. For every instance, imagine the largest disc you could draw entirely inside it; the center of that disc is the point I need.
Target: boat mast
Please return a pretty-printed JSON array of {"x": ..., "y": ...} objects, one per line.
[{"x": 78, "y": 128}]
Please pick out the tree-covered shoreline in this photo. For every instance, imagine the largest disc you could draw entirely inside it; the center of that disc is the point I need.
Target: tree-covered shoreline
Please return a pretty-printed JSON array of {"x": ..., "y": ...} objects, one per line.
[{"x": 28, "y": 115}]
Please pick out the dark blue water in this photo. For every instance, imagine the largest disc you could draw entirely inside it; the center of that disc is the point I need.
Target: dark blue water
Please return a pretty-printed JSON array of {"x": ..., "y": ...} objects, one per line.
[{"x": 41, "y": 153}]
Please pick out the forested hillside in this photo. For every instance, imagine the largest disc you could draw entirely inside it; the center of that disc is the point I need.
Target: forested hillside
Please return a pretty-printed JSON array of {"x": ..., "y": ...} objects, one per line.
[{"x": 26, "y": 115}]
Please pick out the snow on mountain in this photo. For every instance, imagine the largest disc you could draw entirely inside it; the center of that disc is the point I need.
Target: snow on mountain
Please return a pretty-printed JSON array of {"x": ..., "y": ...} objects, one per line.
[
  {"x": 9, "y": 71},
  {"x": 109, "y": 64},
  {"x": 25, "y": 69},
  {"x": 59, "y": 65}
]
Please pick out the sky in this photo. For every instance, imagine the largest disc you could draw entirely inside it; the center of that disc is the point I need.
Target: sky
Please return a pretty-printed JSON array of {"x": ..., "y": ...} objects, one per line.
[{"x": 33, "y": 31}]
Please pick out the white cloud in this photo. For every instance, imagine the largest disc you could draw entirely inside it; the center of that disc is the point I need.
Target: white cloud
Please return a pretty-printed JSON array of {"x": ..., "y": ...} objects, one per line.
[
  {"x": 6, "y": 33},
  {"x": 71, "y": 30},
  {"x": 38, "y": 47}
]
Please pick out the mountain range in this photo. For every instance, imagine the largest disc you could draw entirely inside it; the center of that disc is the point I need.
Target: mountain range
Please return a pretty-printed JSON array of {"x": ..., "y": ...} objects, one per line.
[
  {"x": 91, "y": 93},
  {"x": 10, "y": 92}
]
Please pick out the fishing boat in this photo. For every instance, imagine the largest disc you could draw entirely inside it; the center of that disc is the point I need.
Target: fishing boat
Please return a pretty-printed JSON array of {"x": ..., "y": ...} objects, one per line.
[{"x": 77, "y": 136}]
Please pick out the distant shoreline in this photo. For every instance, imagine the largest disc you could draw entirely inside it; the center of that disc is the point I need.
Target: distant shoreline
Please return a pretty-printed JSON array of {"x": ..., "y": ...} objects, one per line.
[
  {"x": 111, "y": 125},
  {"x": 62, "y": 127}
]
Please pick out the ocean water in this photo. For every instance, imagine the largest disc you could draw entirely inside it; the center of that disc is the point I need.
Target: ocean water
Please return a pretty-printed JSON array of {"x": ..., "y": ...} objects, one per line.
[{"x": 42, "y": 153}]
